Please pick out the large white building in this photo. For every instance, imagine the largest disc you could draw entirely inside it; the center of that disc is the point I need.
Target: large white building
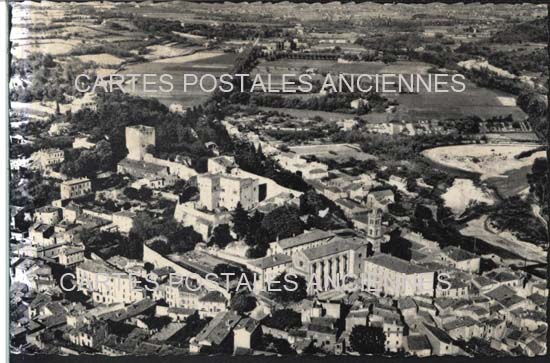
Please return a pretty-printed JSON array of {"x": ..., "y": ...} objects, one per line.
[
  {"x": 296, "y": 164},
  {"x": 332, "y": 265},
  {"x": 75, "y": 188},
  {"x": 46, "y": 158},
  {"x": 226, "y": 191},
  {"x": 388, "y": 275},
  {"x": 291, "y": 245},
  {"x": 106, "y": 284}
]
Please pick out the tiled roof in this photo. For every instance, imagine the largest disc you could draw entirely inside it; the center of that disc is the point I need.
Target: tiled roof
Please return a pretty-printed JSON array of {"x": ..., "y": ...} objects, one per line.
[
  {"x": 458, "y": 254},
  {"x": 271, "y": 261},
  {"x": 396, "y": 264},
  {"x": 331, "y": 248},
  {"x": 305, "y": 238},
  {"x": 248, "y": 324},
  {"x": 219, "y": 328},
  {"x": 418, "y": 342},
  {"x": 213, "y": 296}
]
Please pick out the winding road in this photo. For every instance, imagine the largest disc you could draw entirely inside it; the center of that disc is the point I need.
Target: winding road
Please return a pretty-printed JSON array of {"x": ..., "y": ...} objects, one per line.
[{"x": 478, "y": 228}]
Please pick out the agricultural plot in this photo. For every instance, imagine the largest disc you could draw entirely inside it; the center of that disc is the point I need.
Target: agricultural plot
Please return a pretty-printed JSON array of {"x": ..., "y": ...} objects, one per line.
[
  {"x": 198, "y": 63},
  {"x": 474, "y": 101},
  {"x": 102, "y": 59},
  {"x": 336, "y": 152},
  {"x": 495, "y": 164},
  {"x": 23, "y": 48}
]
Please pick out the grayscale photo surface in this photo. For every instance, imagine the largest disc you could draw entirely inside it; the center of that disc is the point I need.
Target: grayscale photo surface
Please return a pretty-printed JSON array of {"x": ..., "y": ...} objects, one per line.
[{"x": 278, "y": 179}]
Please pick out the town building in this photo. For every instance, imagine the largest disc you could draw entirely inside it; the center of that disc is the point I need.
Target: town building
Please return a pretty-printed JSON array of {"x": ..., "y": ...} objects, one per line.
[
  {"x": 309, "y": 170},
  {"x": 388, "y": 275},
  {"x": 75, "y": 188},
  {"x": 46, "y": 158},
  {"x": 375, "y": 234},
  {"x": 226, "y": 191},
  {"x": 247, "y": 334},
  {"x": 461, "y": 259},
  {"x": 291, "y": 245},
  {"x": 107, "y": 285},
  {"x": 330, "y": 266},
  {"x": 47, "y": 215},
  {"x": 71, "y": 255},
  {"x": 217, "y": 336}
]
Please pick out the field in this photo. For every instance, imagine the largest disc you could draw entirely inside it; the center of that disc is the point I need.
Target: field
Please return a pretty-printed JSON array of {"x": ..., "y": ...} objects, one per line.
[
  {"x": 167, "y": 51},
  {"x": 486, "y": 160},
  {"x": 103, "y": 59},
  {"x": 495, "y": 164},
  {"x": 336, "y": 152},
  {"x": 474, "y": 101},
  {"x": 199, "y": 63},
  {"x": 23, "y": 48},
  {"x": 39, "y": 29}
]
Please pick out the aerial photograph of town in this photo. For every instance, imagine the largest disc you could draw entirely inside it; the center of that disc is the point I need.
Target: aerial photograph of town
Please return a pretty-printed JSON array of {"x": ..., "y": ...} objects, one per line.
[{"x": 278, "y": 179}]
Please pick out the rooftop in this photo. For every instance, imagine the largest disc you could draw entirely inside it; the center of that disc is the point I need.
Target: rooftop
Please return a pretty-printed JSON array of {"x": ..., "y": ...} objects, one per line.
[
  {"x": 248, "y": 324},
  {"x": 500, "y": 293},
  {"x": 439, "y": 334},
  {"x": 75, "y": 181},
  {"x": 382, "y": 193},
  {"x": 213, "y": 296},
  {"x": 331, "y": 248},
  {"x": 95, "y": 266},
  {"x": 271, "y": 261},
  {"x": 348, "y": 203},
  {"x": 305, "y": 238},
  {"x": 396, "y": 264},
  {"x": 219, "y": 328},
  {"x": 418, "y": 342},
  {"x": 147, "y": 167},
  {"x": 141, "y": 128},
  {"x": 458, "y": 254}
]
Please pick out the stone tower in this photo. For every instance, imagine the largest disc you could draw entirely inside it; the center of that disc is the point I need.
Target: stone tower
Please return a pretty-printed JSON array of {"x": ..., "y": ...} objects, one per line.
[
  {"x": 374, "y": 229},
  {"x": 137, "y": 139}
]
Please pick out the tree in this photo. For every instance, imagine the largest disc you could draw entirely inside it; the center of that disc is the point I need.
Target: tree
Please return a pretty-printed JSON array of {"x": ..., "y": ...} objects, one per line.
[
  {"x": 367, "y": 339},
  {"x": 240, "y": 221},
  {"x": 221, "y": 236},
  {"x": 143, "y": 226},
  {"x": 132, "y": 247},
  {"x": 292, "y": 288},
  {"x": 283, "y": 222},
  {"x": 104, "y": 154},
  {"x": 284, "y": 319},
  {"x": 257, "y": 251},
  {"x": 277, "y": 345},
  {"x": 243, "y": 303},
  {"x": 226, "y": 268},
  {"x": 398, "y": 246}
]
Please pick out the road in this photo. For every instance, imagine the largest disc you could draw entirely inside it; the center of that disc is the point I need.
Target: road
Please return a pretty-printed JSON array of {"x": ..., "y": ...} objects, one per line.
[{"x": 478, "y": 228}]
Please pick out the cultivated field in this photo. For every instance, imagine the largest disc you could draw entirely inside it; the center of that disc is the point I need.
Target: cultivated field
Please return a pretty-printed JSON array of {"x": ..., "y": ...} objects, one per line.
[
  {"x": 199, "y": 63},
  {"x": 337, "y": 152},
  {"x": 486, "y": 160},
  {"x": 474, "y": 101},
  {"x": 103, "y": 59},
  {"x": 495, "y": 164}
]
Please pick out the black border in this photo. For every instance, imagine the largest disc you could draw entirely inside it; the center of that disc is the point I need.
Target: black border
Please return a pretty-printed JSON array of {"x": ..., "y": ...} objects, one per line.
[
  {"x": 267, "y": 359},
  {"x": 43, "y": 358}
]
